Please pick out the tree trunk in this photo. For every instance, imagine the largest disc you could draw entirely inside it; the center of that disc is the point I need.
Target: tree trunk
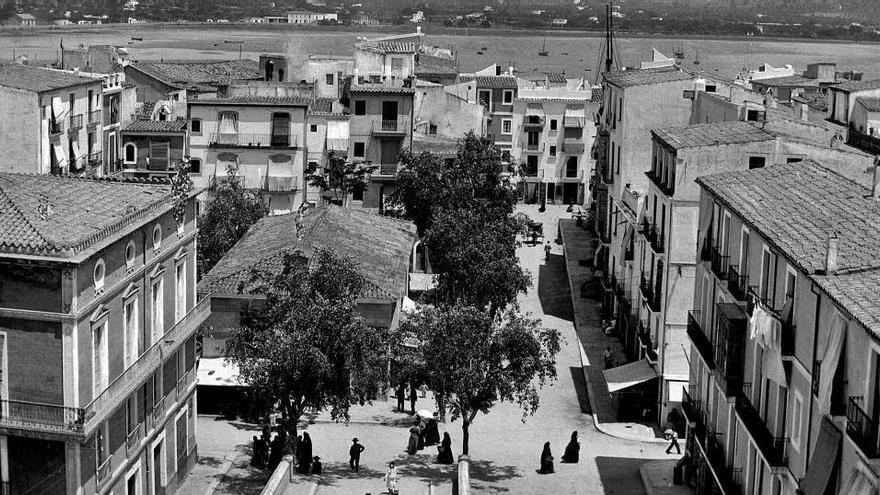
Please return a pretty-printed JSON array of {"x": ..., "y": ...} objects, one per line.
[
  {"x": 465, "y": 436},
  {"x": 292, "y": 420}
]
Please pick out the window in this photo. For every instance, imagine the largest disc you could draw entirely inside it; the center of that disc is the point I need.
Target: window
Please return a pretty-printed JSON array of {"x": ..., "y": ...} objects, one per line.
[
  {"x": 765, "y": 273},
  {"x": 752, "y": 115},
  {"x": 157, "y": 237},
  {"x": 228, "y": 125},
  {"x": 534, "y": 137},
  {"x": 484, "y": 96},
  {"x": 794, "y": 159},
  {"x": 130, "y": 253},
  {"x": 710, "y": 88},
  {"x": 396, "y": 63},
  {"x": 179, "y": 291},
  {"x": 157, "y": 327},
  {"x": 618, "y": 159},
  {"x": 532, "y": 165},
  {"x": 100, "y": 371},
  {"x": 357, "y": 194},
  {"x": 790, "y": 287},
  {"x": 313, "y": 127},
  {"x": 432, "y": 129},
  {"x": 130, "y": 153},
  {"x": 553, "y": 124},
  {"x": 130, "y": 330},
  {"x": 360, "y": 107},
  {"x": 553, "y": 151},
  {"x": 744, "y": 253},
  {"x": 98, "y": 275},
  {"x": 359, "y": 150},
  {"x": 506, "y": 126},
  {"x": 756, "y": 162},
  {"x": 281, "y": 129},
  {"x": 508, "y": 96},
  {"x": 195, "y": 126},
  {"x": 195, "y": 166},
  {"x": 620, "y": 109},
  {"x": 796, "y": 420},
  {"x": 328, "y": 79}
]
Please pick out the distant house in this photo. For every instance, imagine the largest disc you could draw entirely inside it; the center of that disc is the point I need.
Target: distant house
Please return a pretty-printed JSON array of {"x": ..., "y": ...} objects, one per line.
[
  {"x": 20, "y": 20},
  {"x": 157, "y": 80},
  {"x": 559, "y": 22}
]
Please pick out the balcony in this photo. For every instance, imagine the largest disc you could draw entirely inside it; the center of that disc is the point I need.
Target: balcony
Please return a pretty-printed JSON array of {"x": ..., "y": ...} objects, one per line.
[
  {"x": 158, "y": 411},
  {"x": 692, "y": 408},
  {"x": 576, "y": 175},
  {"x": 699, "y": 339},
  {"x": 651, "y": 296},
  {"x": 729, "y": 346},
  {"x": 573, "y": 122},
  {"x": 94, "y": 117},
  {"x": 605, "y": 171},
  {"x": 387, "y": 170},
  {"x": 719, "y": 263},
  {"x": 773, "y": 449},
  {"x": 655, "y": 237},
  {"x": 56, "y": 127},
  {"x": 573, "y": 146},
  {"x": 257, "y": 141},
  {"x": 81, "y": 422},
  {"x": 532, "y": 147},
  {"x": 862, "y": 428},
  {"x": 398, "y": 127},
  {"x": 753, "y": 298},
  {"x": 75, "y": 122},
  {"x": 533, "y": 122},
  {"x": 133, "y": 440},
  {"x": 660, "y": 182},
  {"x": 102, "y": 474},
  {"x": 648, "y": 346},
  {"x": 737, "y": 284}
]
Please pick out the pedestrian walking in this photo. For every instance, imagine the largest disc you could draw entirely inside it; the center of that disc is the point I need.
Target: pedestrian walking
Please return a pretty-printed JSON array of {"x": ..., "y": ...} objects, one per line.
[
  {"x": 401, "y": 395},
  {"x": 547, "y": 251},
  {"x": 572, "y": 450},
  {"x": 608, "y": 357},
  {"x": 672, "y": 436},
  {"x": 546, "y": 460},
  {"x": 392, "y": 479},
  {"x": 413, "y": 445},
  {"x": 413, "y": 396},
  {"x": 444, "y": 451},
  {"x": 354, "y": 454}
]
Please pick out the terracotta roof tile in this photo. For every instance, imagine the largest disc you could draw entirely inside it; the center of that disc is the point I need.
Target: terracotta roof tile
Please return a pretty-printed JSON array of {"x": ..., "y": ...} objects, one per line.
[
  {"x": 851, "y": 86},
  {"x": 644, "y": 77},
  {"x": 156, "y": 126},
  {"x": 712, "y": 134},
  {"x": 871, "y": 103},
  {"x": 506, "y": 82},
  {"x": 381, "y": 245},
  {"x": 183, "y": 74},
  {"x": 796, "y": 207},
  {"x": 856, "y": 293},
  {"x": 40, "y": 79},
  {"x": 300, "y": 101},
  {"x": 62, "y": 216}
]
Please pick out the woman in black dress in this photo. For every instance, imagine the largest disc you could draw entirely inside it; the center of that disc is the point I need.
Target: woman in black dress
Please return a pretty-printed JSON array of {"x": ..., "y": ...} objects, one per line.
[
  {"x": 444, "y": 455},
  {"x": 546, "y": 460},
  {"x": 572, "y": 450}
]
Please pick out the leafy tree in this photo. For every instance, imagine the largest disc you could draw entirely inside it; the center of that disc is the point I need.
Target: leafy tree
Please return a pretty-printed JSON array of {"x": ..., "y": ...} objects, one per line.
[
  {"x": 230, "y": 212},
  {"x": 477, "y": 360},
  {"x": 341, "y": 178},
  {"x": 307, "y": 347}
]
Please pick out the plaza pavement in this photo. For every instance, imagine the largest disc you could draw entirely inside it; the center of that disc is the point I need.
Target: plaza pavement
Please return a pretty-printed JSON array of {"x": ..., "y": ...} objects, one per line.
[{"x": 505, "y": 447}]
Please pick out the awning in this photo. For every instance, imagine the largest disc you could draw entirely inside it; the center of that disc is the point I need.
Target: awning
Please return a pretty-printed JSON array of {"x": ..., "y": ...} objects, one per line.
[
  {"x": 217, "y": 372},
  {"x": 280, "y": 174},
  {"x": 628, "y": 375},
  {"x": 575, "y": 117},
  {"x": 251, "y": 176},
  {"x": 824, "y": 459},
  {"x": 57, "y": 108}
]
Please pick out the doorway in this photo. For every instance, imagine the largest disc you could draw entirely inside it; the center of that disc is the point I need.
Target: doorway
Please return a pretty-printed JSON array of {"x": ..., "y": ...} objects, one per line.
[{"x": 569, "y": 193}]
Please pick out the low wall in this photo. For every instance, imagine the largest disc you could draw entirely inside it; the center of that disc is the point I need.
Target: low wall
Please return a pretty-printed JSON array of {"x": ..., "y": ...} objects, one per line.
[{"x": 280, "y": 480}]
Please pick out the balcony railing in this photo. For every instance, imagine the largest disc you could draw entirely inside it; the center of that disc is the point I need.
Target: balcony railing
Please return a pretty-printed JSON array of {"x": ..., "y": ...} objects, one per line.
[
  {"x": 729, "y": 346},
  {"x": 526, "y": 146},
  {"x": 737, "y": 284},
  {"x": 773, "y": 449},
  {"x": 660, "y": 182},
  {"x": 158, "y": 411},
  {"x": 387, "y": 169},
  {"x": 102, "y": 474},
  {"x": 648, "y": 346},
  {"x": 75, "y": 121},
  {"x": 719, "y": 263},
  {"x": 39, "y": 417},
  {"x": 692, "y": 408},
  {"x": 391, "y": 127},
  {"x": 699, "y": 339},
  {"x": 94, "y": 116},
  {"x": 183, "y": 385},
  {"x": 862, "y": 428},
  {"x": 56, "y": 127},
  {"x": 242, "y": 140},
  {"x": 657, "y": 239},
  {"x": 133, "y": 440},
  {"x": 533, "y": 122},
  {"x": 573, "y": 146}
]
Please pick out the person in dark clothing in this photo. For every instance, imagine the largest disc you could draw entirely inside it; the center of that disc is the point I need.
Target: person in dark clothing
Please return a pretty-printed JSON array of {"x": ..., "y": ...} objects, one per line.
[
  {"x": 305, "y": 454},
  {"x": 432, "y": 432},
  {"x": 277, "y": 451},
  {"x": 413, "y": 396},
  {"x": 672, "y": 436},
  {"x": 572, "y": 450},
  {"x": 401, "y": 395},
  {"x": 316, "y": 465},
  {"x": 444, "y": 451},
  {"x": 256, "y": 460},
  {"x": 355, "y": 455},
  {"x": 546, "y": 460}
]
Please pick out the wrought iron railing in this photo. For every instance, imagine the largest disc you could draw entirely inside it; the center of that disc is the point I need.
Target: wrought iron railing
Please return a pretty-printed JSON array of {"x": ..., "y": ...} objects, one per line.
[
  {"x": 76, "y": 121},
  {"x": 39, "y": 416},
  {"x": 102, "y": 474},
  {"x": 699, "y": 339},
  {"x": 94, "y": 116},
  {"x": 862, "y": 428},
  {"x": 133, "y": 439},
  {"x": 773, "y": 448},
  {"x": 737, "y": 284},
  {"x": 250, "y": 140},
  {"x": 719, "y": 263}
]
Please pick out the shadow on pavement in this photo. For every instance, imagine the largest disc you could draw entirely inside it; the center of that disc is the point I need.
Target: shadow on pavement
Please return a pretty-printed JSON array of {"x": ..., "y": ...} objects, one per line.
[
  {"x": 553, "y": 289},
  {"x": 334, "y": 472},
  {"x": 580, "y": 387},
  {"x": 620, "y": 475},
  {"x": 210, "y": 460},
  {"x": 242, "y": 478}
]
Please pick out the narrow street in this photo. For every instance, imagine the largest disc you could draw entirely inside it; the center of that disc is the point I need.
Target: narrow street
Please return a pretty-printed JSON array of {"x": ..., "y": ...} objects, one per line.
[{"x": 504, "y": 449}]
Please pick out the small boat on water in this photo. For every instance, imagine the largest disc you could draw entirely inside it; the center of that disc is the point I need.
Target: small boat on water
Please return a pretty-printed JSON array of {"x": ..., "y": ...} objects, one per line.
[
  {"x": 544, "y": 52},
  {"x": 479, "y": 53},
  {"x": 136, "y": 39},
  {"x": 564, "y": 53},
  {"x": 483, "y": 49}
]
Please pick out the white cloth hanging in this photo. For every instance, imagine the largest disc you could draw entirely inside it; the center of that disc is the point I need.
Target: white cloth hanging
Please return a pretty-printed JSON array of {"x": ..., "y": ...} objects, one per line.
[
  {"x": 766, "y": 330},
  {"x": 830, "y": 358}
]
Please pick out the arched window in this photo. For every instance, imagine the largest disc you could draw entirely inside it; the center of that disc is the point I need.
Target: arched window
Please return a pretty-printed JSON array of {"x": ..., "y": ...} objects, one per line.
[{"x": 130, "y": 155}]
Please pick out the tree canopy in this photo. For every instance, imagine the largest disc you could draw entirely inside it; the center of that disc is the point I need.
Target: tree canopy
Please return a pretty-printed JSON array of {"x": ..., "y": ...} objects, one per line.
[
  {"x": 463, "y": 208},
  {"x": 307, "y": 346},
  {"x": 340, "y": 178},
  {"x": 475, "y": 360},
  {"x": 230, "y": 211}
]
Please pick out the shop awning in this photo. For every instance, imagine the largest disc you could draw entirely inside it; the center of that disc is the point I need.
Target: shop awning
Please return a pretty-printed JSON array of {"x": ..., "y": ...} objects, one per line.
[
  {"x": 628, "y": 375},
  {"x": 217, "y": 372},
  {"x": 824, "y": 460}
]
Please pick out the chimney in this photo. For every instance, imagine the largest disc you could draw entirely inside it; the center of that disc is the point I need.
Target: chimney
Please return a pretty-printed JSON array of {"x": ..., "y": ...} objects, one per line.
[
  {"x": 875, "y": 183},
  {"x": 831, "y": 254}
]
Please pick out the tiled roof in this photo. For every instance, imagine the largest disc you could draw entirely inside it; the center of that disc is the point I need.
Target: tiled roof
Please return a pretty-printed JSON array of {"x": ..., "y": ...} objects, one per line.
[
  {"x": 62, "y": 217},
  {"x": 871, "y": 103},
  {"x": 183, "y": 74},
  {"x": 556, "y": 77},
  {"x": 429, "y": 69},
  {"x": 381, "y": 89},
  {"x": 156, "y": 126},
  {"x": 787, "y": 82},
  {"x": 856, "y": 293},
  {"x": 712, "y": 134},
  {"x": 643, "y": 77},
  {"x": 389, "y": 46},
  {"x": 381, "y": 245},
  {"x": 322, "y": 105},
  {"x": 299, "y": 101},
  {"x": 505, "y": 82},
  {"x": 814, "y": 98},
  {"x": 39, "y": 79},
  {"x": 796, "y": 207},
  {"x": 851, "y": 86},
  {"x": 438, "y": 145}
]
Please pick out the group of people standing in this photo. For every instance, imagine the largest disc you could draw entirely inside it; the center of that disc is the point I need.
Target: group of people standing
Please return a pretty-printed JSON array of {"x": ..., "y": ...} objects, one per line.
[
  {"x": 268, "y": 451},
  {"x": 571, "y": 456},
  {"x": 414, "y": 394},
  {"x": 424, "y": 433}
]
